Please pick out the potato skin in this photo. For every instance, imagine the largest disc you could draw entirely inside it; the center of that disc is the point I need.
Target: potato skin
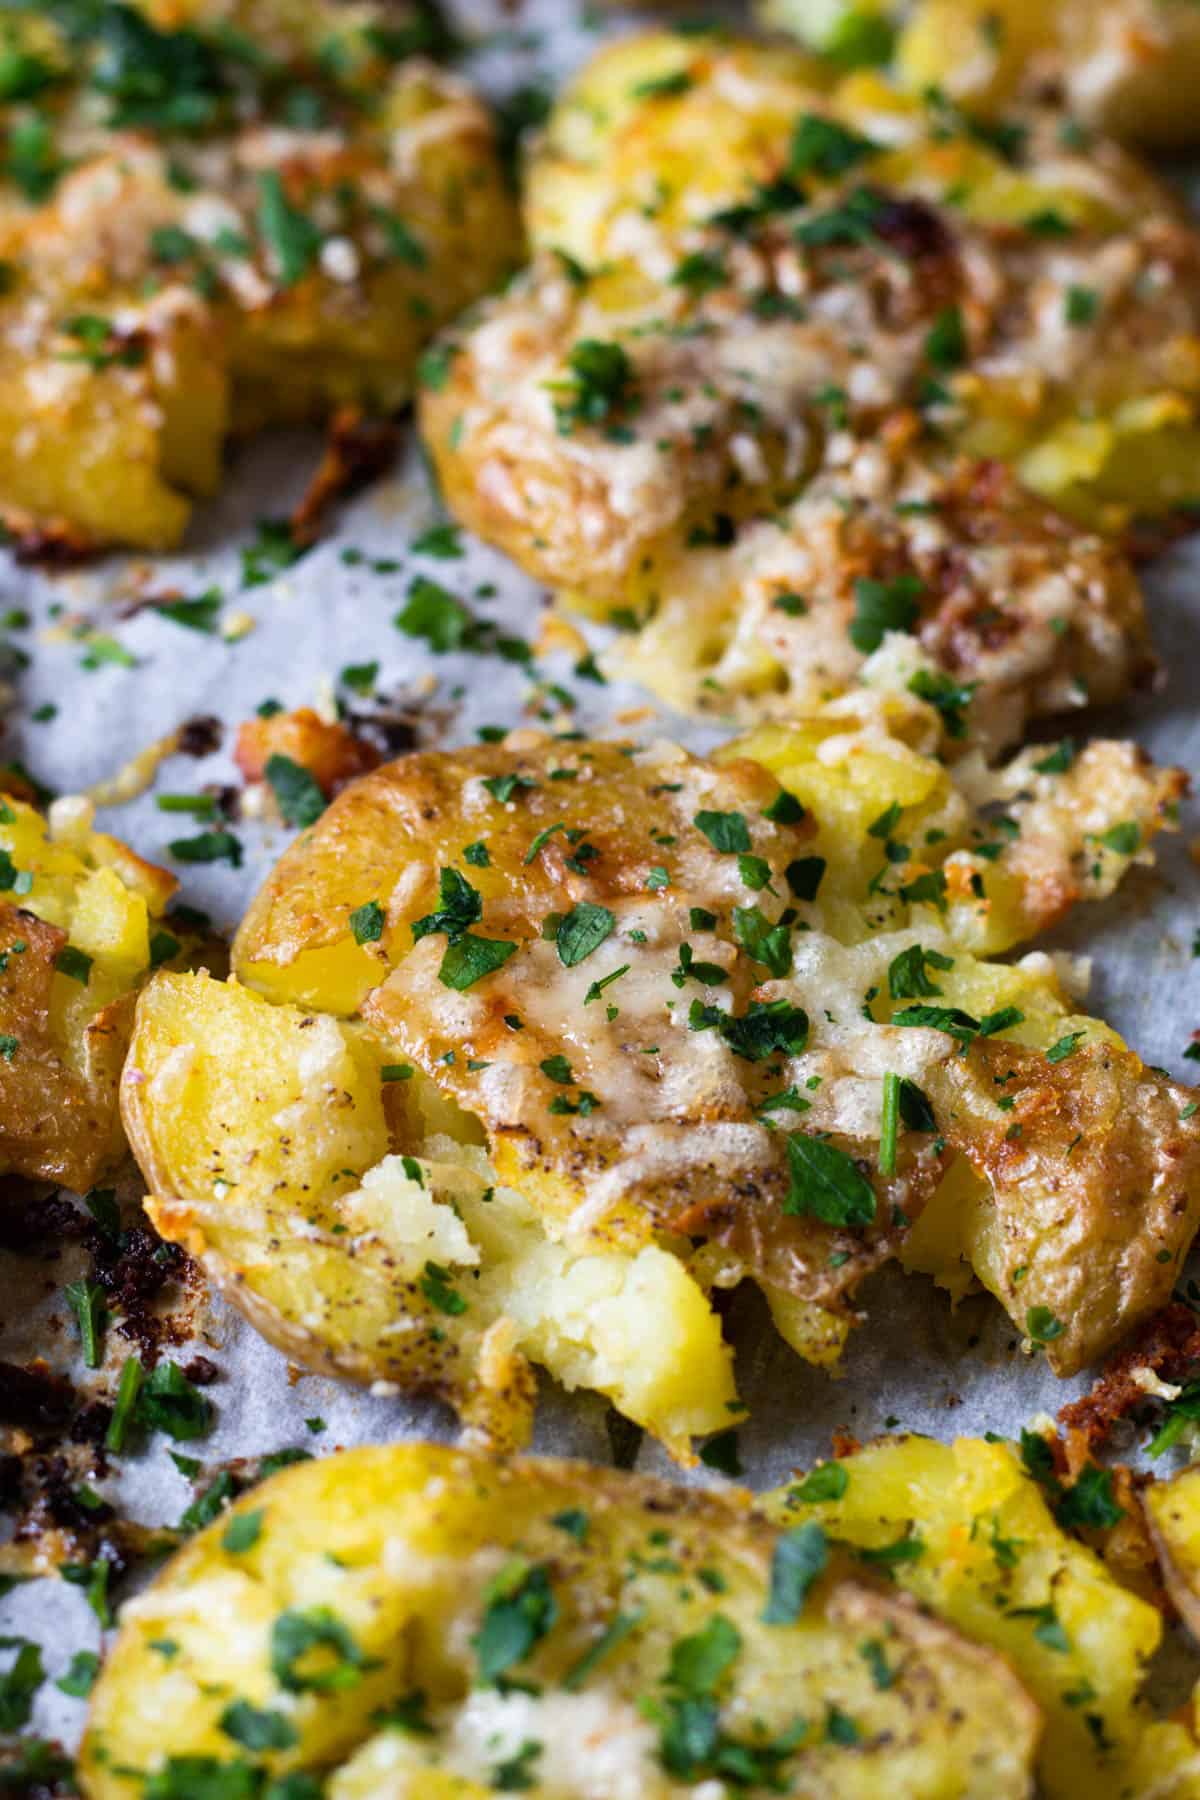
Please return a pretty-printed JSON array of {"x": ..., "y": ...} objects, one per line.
[
  {"x": 1173, "y": 1514},
  {"x": 74, "y": 947},
  {"x": 55, "y": 1124},
  {"x": 1092, "y": 1206},
  {"x": 399, "y": 1546}
]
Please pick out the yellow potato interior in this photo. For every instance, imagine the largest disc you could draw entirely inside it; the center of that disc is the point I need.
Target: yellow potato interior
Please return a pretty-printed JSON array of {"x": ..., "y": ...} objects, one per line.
[
  {"x": 282, "y": 1151},
  {"x": 987, "y": 1555}
]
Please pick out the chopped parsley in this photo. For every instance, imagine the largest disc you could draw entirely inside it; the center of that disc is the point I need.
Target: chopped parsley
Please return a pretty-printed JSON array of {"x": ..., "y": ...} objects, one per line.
[
  {"x": 520, "y": 1610},
  {"x": 763, "y": 942},
  {"x": 169, "y": 1402},
  {"x": 821, "y": 146},
  {"x": 883, "y": 606},
  {"x": 828, "y": 1481},
  {"x": 297, "y": 792},
  {"x": 801, "y": 1556},
  {"x": 825, "y": 1183},
  {"x": 433, "y": 613},
  {"x": 73, "y": 963},
  {"x": 1081, "y": 305},
  {"x": 908, "y": 977},
  {"x": 949, "y": 697},
  {"x": 599, "y": 387},
  {"x": 242, "y": 1532},
  {"x": 1042, "y": 1326},
  {"x": 86, "y": 1300},
  {"x": 582, "y": 931},
  {"x": 726, "y": 832},
  {"x": 437, "y": 1285},
  {"x": 206, "y": 847},
  {"x": 289, "y": 233},
  {"x": 946, "y": 340},
  {"x": 367, "y": 922},
  {"x": 804, "y": 876},
  {"x": 763, "y": 1030},
  {"x": 312, "y": 1651}
]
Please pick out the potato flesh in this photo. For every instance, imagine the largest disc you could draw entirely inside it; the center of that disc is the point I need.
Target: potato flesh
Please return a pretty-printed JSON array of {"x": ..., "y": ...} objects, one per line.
[
  {"x": 263, "y": 1136},
  {"x": 400, "y": 1543},
  {"x": 854, "y": 759},
  {"x": 993, "y": 1560},
  {"x": 76, "y": 945}
]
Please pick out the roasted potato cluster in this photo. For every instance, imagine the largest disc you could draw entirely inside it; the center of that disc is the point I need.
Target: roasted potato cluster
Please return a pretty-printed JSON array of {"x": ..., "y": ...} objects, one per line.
[
  {"x": 1130, "y": 68},
  {"x": 78, "y": 934},
  {"x": 791, "y": 364},
  {"x": 531, "y": 1047},
  {"x": 421, "y": 1622},
  {"x": 203, "y": 233}
]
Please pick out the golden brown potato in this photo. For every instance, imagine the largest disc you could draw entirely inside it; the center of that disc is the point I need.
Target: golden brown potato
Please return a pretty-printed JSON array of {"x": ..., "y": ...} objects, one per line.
[
  {"x": 588, "y": 1031},
  {"x": 208, "y": 250},
  {"x": 1127, "y": 67},
  {"x": 327, "y": 749},
  {"x": 77, "y": 937},
  {"x": 982, "y": 1548},
  {"x": 751, "y": 405},
  {"x": 415, "y": 1622},
  {"x": 1092, "y": 1187}
]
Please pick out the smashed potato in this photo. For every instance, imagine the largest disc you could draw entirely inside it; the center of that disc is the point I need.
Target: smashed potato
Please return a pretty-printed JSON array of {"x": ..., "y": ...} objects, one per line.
[
  {"x": 77, "y": 937},
  {"x": 214, "y": 237},
  {"x": 419, "y": 1622},
  {"x": 788, "y": 361},
  {"x": 971, "y": 1532},
  {"x": 1127, "y": 67},
  {"x": 532, "y": 1046}
]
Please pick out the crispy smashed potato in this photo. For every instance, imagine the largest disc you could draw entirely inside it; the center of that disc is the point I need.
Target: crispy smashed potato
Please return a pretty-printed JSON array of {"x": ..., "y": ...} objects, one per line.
[
  {"x": 787, "y": 362},
  {"x": 1127, "y": 67},
  {"x": 331, "y": 1202},
  {"x": 77, "y": 937},
  {"x": 968, "y": 1531},
  {"x": 327, "y": 749},
  {"x": 533, "y": 1046},
  {"x": 198, "y": 240},
  {"x": 415, "y": 1622}
]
